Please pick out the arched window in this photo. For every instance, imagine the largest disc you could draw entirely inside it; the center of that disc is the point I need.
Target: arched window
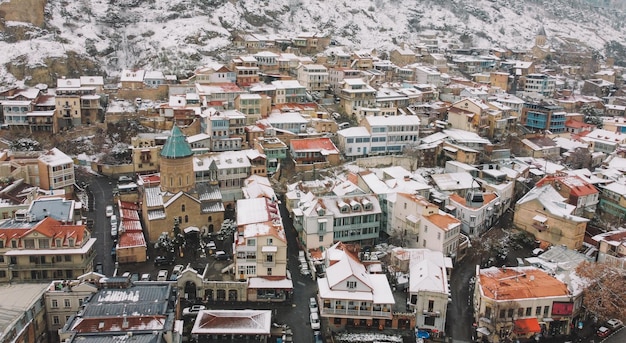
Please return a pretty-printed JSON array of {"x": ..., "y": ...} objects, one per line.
[
  {"x": 210, "y": 219},
  {"x": 180, "y": 180},
  {"x": 180, "y": 219},
  {"x": 182, "y": 208},
  {"x": 186, "y": 218}
]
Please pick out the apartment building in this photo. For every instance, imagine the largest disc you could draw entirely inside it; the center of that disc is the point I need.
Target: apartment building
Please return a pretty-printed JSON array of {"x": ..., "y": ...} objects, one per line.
[
  {"x": 356, "y": 94},
  {"x": 314, "y": 77}
]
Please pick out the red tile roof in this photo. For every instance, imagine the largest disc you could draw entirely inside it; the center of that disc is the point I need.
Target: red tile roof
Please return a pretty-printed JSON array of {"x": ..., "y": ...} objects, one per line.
[
  {"x": 487, "y": 198},
  {"x": 520, "y": 283},
  {"x": 578, "y": 124},
  {"x": 132, "y": 239},
  {"x": 313, "y": 144},
  {"x": 116, "y": 324},
  {"x": 443, "y": 221}
]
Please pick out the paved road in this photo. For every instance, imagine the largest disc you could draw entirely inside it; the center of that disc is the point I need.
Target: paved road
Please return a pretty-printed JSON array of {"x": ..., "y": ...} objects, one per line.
[
  {"x": 101, "y": 189},
  {"x": 304, "y": 287}
]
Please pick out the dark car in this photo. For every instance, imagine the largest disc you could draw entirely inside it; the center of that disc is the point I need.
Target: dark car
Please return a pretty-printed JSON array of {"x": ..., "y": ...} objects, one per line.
[
  {"x": 222, "y": 256},
  {"x": 163, "y": 261}
]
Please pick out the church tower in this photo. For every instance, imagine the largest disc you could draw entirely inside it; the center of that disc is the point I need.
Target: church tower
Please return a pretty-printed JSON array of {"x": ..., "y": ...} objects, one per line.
[
  {"x": 177, "y": 164},
  {"x": 541, "y": 38}
]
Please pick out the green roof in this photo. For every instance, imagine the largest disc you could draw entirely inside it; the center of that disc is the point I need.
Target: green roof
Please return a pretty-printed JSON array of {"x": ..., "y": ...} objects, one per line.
[{"x": 176, "y": 145}]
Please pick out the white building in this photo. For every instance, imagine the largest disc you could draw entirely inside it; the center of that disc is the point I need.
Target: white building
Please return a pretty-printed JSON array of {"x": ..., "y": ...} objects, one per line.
[
  {"x": 349, "y": 293},
  {"x": 314, "y": 77},
  {"x": 477, "y": 211},
  {"x": 539, "y": 85}
]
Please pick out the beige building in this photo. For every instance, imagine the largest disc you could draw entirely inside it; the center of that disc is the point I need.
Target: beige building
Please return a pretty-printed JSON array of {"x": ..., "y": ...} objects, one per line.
[
  {"x": 356, "y": 94},
  {"x": 260, "y": 250},
  {"x": 56, "y": 171},
  {"x": 544, "y": 213},
  {"x": 23, "y": 317},
  {"x": 314, "y": 77},
  {"x": 40, "y": 249},
  {"x": 520, "y": 302},
  {"x": 64, "y": 298}
]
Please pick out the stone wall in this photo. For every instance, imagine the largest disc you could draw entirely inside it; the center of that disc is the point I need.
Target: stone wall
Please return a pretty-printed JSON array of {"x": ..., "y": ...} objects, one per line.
[{"x": 408, "y": 163}]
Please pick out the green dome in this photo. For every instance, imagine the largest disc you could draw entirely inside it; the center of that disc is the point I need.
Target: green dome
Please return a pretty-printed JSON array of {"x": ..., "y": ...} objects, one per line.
[{"x": 176, "y": 145}]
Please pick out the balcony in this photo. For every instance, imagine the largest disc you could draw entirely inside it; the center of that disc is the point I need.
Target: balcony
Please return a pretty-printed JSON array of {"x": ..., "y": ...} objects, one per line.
[
  {"x": 432, "y": 313},
  {"x": 337, "y": 312},
  {"x": 56, "y": 265}
]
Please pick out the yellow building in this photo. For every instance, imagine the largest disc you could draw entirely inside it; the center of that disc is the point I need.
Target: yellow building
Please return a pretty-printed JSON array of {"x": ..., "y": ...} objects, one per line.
[
  {"x": 56, "y": 171},
  {"x": 544, "y": 213},
  {"x": 44, "y": 249}
]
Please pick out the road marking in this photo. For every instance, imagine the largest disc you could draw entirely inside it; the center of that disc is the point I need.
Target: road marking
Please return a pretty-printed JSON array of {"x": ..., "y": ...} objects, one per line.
[{"x": 301, "y": 283}]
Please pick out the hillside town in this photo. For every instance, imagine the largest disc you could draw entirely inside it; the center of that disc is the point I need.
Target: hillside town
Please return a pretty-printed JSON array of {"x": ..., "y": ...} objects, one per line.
[{"x": 300, "y": 192}]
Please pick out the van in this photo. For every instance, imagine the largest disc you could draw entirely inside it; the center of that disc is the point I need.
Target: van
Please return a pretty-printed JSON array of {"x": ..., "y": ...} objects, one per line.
[{"x": 114, "y": 220}]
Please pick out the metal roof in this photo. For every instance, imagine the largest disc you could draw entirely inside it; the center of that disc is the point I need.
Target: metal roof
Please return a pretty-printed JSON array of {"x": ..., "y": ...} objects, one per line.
[{"x": 176, "y": 145}]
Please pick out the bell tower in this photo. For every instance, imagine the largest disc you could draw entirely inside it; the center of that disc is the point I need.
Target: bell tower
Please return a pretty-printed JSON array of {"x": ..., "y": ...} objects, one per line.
[{"x": 176, "y": 163}]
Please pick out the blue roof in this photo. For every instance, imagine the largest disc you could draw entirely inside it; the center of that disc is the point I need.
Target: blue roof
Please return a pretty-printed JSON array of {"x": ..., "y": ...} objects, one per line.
[{"x": 176, "y": 145}]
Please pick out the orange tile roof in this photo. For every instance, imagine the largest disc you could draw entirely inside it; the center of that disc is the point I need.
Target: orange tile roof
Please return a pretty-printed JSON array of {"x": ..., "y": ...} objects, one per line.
[
  {"x": 487, "y": 198},
  {"x": 520, "y": 283},
  {"x": 416, "y": 198},
  {"x": 53, "y": 228},
  {"x": 322, "y": 143},
  {"x": 577, "y": 124},
  {"x": 442, "y": 221},
  {"x": 577, "y": 185}
]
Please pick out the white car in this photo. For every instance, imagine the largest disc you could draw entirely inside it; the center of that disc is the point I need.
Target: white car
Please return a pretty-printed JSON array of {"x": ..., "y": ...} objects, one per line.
[
  {"x": 315, "y": 321},
  {"x": 162, "y": 276},
  {"x": 178, "y": 269},
  {"x": 188, "y": 311},
  {"x": 313, "y": 305},
  {"x": 145, "y": 277},
  {"x": 109, "y": 211}
]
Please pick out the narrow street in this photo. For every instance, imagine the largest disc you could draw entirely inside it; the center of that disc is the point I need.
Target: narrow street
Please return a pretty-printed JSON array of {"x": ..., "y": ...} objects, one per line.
[{"x": 101, "y": 188}]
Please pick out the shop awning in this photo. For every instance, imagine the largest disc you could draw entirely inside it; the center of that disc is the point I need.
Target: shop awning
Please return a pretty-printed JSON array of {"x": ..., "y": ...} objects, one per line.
[{"x": 527, "y": 325}]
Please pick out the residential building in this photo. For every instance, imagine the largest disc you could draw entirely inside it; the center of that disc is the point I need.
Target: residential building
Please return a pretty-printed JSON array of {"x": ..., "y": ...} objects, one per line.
[
  {"x": 539, "y": 85},
  {"x": 314, "y": 77},
  {"x": 314, "y": 153},
  {"x": 246, "y": 70},
  {"x": 213, "y": 73},
  {"x": 544, "y": 213},
  {"x": 613, "y": 200},
  {"x": 76, "y": 104},
  {"x": 337, "y": 75},
  {"x": 38, "y": 247},
  {"x": 267, "y": 61},
  {"x": 539, "y": 147},
  {"x": 311, "y": 42},
  {"x": 64, "y": 298},
  {"x": 350, "y": 296},
  {"x": 226, "y": 171},
  {"x": 23, "y": 313},
  {"x": 612, "y": 247},
  {"x": 56, "y": 171},
  {"x": 145, "y": 153},
  {"x": 429, "y": 290},
  {"x": 253, "y": 106},
  {"x": 469, "y": 114},
  {"x": 324, "y": 220},
  {"x": 356, "y": 94},
  {"x": 578, "y": 192},
  {"x": 288, "y": 91},
  {"x": 427, "y": 75},
  {"x": 520, "y": 302},
  {"x": 477, "y": 211},
  {"x": 274, "y": 150},
  {"x": 131, "y": 246},
  {"x": 501, "y": 121},
  {"x": 226, "y": 129},
  {"x": 604, "y": 141},
  {"x": 290, "y": 121},
  {"x": 355, "y": 141},
  {"x": 391, "y": 134},
  {"x": 219, "y": 94},
  {"x": 543, "y": 116},
  {"x": 420, "y": 224},
  {"x": 260, "y": 250}
]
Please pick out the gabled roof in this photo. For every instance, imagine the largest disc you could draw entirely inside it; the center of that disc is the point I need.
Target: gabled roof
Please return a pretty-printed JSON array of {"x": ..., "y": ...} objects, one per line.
[
  {"x": 552, "y": 201},
  {"x": 426, "y": 275},
  {"x": 324, "y": 145},
  {"x": 246, "y": 322},
  {"x": 346, "y": 267},
  {"x": 176, "y": 145}
]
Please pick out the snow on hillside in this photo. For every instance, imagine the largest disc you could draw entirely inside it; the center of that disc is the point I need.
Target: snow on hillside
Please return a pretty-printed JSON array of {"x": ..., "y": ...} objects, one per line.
[{"x": 178, "y": 35}]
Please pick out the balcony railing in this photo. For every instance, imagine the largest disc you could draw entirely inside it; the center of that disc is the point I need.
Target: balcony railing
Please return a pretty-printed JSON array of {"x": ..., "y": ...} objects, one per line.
[
  {"x": 355, "y": 313},
  {"x": 56, "y": 265}
]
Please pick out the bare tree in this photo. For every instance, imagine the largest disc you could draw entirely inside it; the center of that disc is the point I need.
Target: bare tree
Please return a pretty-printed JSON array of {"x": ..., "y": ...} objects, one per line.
[{"x": 605, "y": 295}]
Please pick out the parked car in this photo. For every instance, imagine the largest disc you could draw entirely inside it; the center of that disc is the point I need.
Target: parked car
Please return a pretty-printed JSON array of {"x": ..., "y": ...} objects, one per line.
[
  {"x": 145, "y": 277},
  {"x": 603, "y": 332},
  {"x": 614, "y": 324},
  {"x": 134, "y": 277},
  {"x": 125, "y": 178},
  {"x": 188, "y": 311},
  {"x": 315, "y": 321},
  {"x": 317, "y": 337},
  {"x": 99, "y": 268},
  {"x": 126, "y": 274},
  {"x": 178, "y": 269},
  {"x": 313, "y": 305},
  {"x": 113, "y": 230},
  {"x": 163, "y": 261},
  {"x": 221, "y": 256},
  {"x": 162, "y": 275},
  {"x": 211, "y": 246},
  {"x": 109, "y": 210}
]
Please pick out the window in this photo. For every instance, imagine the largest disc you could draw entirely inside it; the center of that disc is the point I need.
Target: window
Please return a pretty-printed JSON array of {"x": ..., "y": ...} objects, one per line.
[
  {"x": 538, "y": 310},
  {"x": 182, "y": 208},
  {"x": 510, "y": 313},
  {"x": 71, "y": 240},
  {"x": 55, "y": 303},
  {"x": 269, "y": 258},
  {"x": 13, "y": 243},
  {"x": 270, "y": 241},
  {"x": 429, "y": 321},
  {"x": 44, "y": 243},
  {"x": 55, "y": 320},
  {"x": 269, "y": 271},
  {"x": 351, "y": 284},
  {"x": 251, "y": 242},
  {"x": 66, "y": 302},
  {"x": 502, "y": 314},
  {"x": 186, "y": 219},
  {"x": 528, "y": 311},
  {"x": 58, "y": 242},
  {"x": 68, "y": 258},
  {"x": 431, "y": 305},
  {"x": 2, "y": 242},
  {"x": 29, "y": 244},
  {"x": 546, "y": 311},
  {"x": 321, "y": 239},
  {"x": 520, "y": 312},
  {"x": 3, "y": 274},
  {"x": 439, "y": 235}
]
